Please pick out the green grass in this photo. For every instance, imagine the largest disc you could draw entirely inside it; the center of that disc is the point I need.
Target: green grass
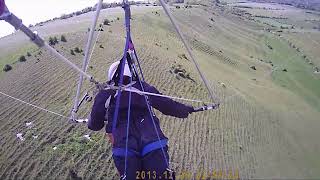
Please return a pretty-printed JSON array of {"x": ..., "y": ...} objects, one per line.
[
  {"x": 76, "y": 145},
  {"x": 271, "y": 22},
  {"x": 13, "y": 57},
  {"x": 300, "y": 78}
]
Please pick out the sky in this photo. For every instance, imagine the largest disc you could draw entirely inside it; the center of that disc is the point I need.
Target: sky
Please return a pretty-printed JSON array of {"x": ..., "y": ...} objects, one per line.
[{"x": 34, "y": 11}]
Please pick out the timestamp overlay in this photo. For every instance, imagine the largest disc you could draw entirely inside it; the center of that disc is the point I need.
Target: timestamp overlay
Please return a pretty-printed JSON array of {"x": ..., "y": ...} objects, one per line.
[
  {"x": 214, "y": 174},
  {"x": 198, "y": 175},
  {"x": 154, "y": 175}
]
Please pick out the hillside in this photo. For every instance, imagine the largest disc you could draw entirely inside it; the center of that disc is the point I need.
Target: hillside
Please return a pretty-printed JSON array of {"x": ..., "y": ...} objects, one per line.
[
  {"x": 264, "y": 71},
  {"x": 305, "y": 4}
]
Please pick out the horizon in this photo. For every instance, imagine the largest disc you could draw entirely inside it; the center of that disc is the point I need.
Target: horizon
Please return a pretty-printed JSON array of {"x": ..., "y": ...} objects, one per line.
[{"x": 31, "y": 15}]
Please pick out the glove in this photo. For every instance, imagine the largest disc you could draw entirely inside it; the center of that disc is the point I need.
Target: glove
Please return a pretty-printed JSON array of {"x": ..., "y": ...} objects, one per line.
[
  {"x": 216, "y": 106},
  {"x": 204, "y": 108},
  {"x": 190, "y": 109}
]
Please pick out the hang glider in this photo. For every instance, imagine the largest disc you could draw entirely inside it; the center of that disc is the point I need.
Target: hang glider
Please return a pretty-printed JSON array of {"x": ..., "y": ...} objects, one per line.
[{"x": 129, "y": 56}]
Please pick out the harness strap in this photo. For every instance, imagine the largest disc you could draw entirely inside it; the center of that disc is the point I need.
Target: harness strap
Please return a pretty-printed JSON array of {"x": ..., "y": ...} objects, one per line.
[
  {"x": 148, "y": 148},
  {"x": 122, "y": 152},
  {"x": 153, "y": 146}
]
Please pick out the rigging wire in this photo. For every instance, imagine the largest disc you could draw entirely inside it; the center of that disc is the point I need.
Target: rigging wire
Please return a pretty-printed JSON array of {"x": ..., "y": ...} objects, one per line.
[
  {"x": 93, "y": 48},
  {"x": 213, "y": 97},
  {"x": 112, "y": 87},
  {"x": 127, "y": 133},
  {"x": 150, "y": 110},
  {"x": 130, "y": 89},
  {"x": 35, "y": 106}
]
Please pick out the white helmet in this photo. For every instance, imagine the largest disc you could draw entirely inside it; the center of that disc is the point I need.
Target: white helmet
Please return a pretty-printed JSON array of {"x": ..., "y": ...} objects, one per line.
[{"x": 113, "y": 69}]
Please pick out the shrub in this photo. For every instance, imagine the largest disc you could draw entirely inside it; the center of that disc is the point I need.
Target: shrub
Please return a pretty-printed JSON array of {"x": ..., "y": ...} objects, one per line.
[
  {"x": 183, "y": 56},
  {"x": 63, "y": 38},
  {"x": 118, "y": 18},
  {"x": 101, "y": 46},
  {"x": 77, "y": 50},
  {"x": 22, "y": 59},
  {"x": 51, "y": 41},
  {"x": 253, "y": 67},
  {"x": 72, "y": 52},
  {"x": 78, "y": 13},
  {"x": 28, "y": 54},
  {"x": 177, "y": 7},
  {"x": 7, "y": 68},
  {"x": 55, "y": 40},
  {"x": 106, "y": 22}
]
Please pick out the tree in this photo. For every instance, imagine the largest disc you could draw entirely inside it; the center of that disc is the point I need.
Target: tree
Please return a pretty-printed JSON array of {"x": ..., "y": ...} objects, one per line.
[
  {"x": 55, "y": 40},
  {"x": 7, "y": 68},
  {"x": 63, "y": 38},
  {"x": 22, "y": 59},
  {"x": 51, "y": 41}
]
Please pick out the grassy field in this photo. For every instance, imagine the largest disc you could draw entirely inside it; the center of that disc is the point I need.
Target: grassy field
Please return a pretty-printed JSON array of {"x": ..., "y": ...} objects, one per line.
[{"x": 267, "y": 126}]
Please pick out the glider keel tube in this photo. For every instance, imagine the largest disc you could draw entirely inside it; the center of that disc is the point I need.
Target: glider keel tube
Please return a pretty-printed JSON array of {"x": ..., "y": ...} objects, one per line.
[{"x": 17, "y": 24}]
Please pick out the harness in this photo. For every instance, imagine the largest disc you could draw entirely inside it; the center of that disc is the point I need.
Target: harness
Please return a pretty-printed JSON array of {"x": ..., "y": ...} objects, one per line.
[{"x": 116, "y": 151}]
